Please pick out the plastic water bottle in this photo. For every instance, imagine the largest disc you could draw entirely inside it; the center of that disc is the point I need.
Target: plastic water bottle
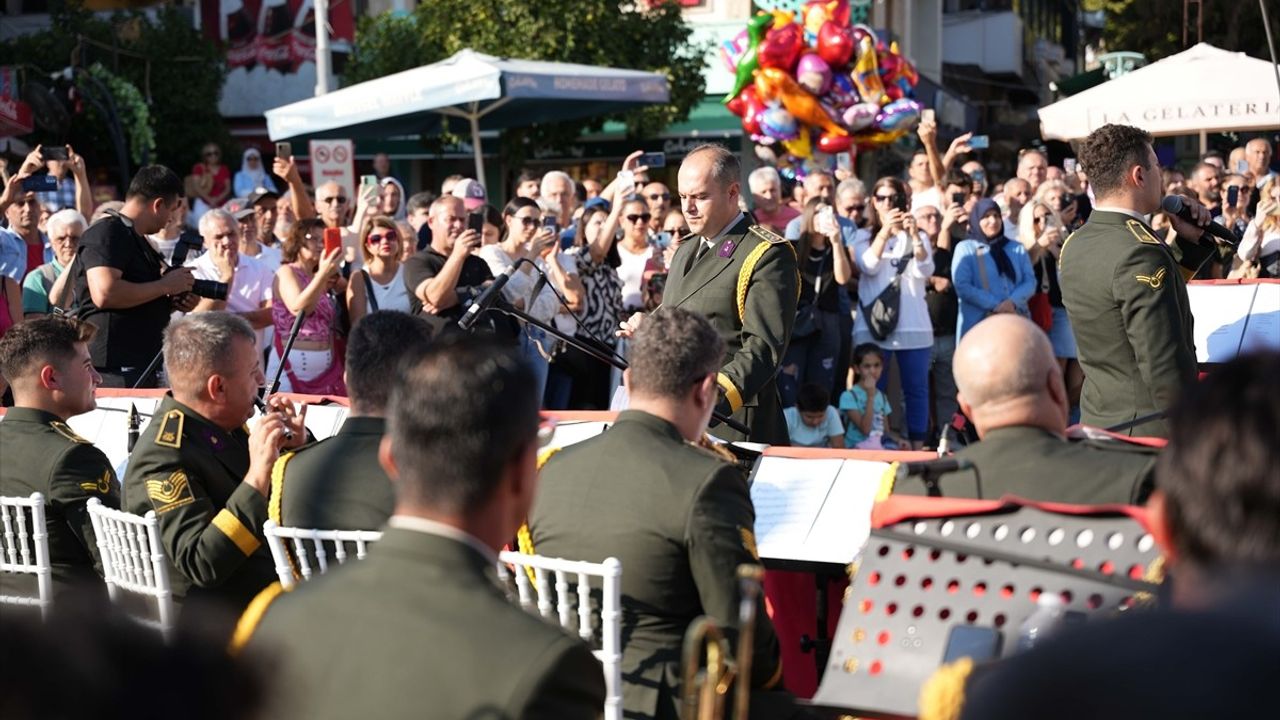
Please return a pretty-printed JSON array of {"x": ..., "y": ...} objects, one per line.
[{"x": 1042, "y": 623}]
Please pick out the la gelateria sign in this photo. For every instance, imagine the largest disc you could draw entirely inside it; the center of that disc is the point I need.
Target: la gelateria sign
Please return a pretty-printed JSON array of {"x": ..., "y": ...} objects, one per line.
[{"x": 1184, "y": 116}]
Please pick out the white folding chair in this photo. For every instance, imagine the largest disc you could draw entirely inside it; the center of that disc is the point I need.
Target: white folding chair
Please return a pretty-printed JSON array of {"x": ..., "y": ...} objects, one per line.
[
  {"x": 300, "y": 538},
  {"x": 133, "y": 560},
  {"x": 609, "y": 573},
  {"x": 25, "y": 548}
]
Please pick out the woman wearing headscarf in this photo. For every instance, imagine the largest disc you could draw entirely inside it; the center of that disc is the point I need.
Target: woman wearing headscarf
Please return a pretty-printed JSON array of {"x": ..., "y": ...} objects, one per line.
[
  {"x": 991, "y": 273},
  {"x": 391, "y": 198},
  {"x": 252, "y": 175}
]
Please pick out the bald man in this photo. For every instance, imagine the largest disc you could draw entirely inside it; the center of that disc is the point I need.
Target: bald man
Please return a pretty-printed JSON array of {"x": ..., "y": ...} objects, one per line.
[{"x": 1011, "y": 388}]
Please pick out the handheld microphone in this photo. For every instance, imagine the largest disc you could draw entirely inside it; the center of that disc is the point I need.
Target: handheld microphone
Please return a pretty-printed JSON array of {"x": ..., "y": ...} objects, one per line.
[
  {"x": 1174, "y": 205},
  {"x": 489, "y": 296}
]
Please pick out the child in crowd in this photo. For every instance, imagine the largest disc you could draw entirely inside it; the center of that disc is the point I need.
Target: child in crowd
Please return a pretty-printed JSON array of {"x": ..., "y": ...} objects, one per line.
[
  {"x": 864, "y": 406},
  {"x": 813, "y": 422}
]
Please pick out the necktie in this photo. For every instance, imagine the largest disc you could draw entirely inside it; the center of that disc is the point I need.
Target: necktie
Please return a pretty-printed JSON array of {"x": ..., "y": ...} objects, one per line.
[{"x": 703, "y": 247}]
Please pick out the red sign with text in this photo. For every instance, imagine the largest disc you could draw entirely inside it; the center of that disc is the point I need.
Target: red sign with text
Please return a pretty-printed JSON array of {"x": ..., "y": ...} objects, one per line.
[{"x": 275, "y": 34}]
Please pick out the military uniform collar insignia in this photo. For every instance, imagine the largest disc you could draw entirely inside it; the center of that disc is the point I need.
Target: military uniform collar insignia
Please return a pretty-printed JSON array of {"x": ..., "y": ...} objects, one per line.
[{"x": 727, "y": 247}]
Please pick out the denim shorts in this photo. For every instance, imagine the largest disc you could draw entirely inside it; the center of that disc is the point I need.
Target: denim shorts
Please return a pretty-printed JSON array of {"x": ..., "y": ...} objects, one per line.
[{"x": 1060, "y": 335}]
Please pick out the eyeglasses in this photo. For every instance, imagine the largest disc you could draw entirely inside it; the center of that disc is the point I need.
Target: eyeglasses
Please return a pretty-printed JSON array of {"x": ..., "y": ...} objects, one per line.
[
  {"x": 1040, "y": 218},
  {"x": 375, "y": 238},
  {"x": 886, "y": 198},
  {"x": 850, "y": 209},
  {"x": 659, "y": 196},
  {"x": 331, "y": 200},
  {"x": 928, "y": 217},
  {"x": 643, "y": 217},
  {"x": 527, "y": 221},
  {"x": 210, "y": 153}
]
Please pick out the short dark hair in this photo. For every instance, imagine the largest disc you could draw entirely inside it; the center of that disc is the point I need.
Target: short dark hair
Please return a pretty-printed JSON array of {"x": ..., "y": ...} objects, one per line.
[
  {"x": 1218, "y": 473},
  {"x": 1108, "y": 153},
  {"x": 959, "y": 178},
  {"x": 527, "y": 175},
  {"x": 420, "y": 201},
  {"x": 812, "y": 397},
  {"x": 379, "y": 344},
  {"x": 725, "y": 168},
  {"x": 30, "y": 345},
  {"x": 457, "y": 417},
  {"x": 155, "y": 181},
  {"x": 673, "y": 350}
]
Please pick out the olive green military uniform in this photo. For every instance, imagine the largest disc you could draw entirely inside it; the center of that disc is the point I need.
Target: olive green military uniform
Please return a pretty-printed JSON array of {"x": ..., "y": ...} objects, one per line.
[
  {"x": 1126, "y": 295},
  {"x": 1035, "y": 464},
  {"x": 420, "y": 629},
  {"x": 747, "y": 285},
  {"x": 42, "y": 454},
  {"x": 335, "y": 484},
  {"x": 680, "y": 520},
  {"x": 191, "y": 472}
]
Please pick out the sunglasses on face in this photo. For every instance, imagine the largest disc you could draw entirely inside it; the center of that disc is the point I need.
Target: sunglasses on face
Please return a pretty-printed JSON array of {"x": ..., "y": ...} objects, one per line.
[
  {"x": 850, "y": 209},
  {"x": 527, "y": 221},
  {"x": 929, "y": 217},
  {"x": 644, "y": 217},
  {"x": 660, "y": 196},
  {"x": 886, "y": 198},
  {"x": 389, "y": 236},
  {"x": 1040, "y": 218},
  {"x": 331, "y": 200}
]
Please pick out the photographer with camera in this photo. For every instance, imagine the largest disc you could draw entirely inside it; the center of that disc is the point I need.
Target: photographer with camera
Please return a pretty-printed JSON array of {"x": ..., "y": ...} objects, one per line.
[{"x": 123, "y": 287}]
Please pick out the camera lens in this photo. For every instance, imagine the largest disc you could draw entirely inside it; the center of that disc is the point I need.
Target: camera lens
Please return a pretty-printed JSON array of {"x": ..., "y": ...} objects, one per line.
[{"x": 211, "y": 289}]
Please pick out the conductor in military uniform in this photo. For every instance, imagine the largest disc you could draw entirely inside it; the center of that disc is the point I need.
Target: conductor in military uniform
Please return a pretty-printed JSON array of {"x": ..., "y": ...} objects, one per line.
[
  {"x": 1012, "y": 389},
  {"x": 1125, "y": 291},
  {"x": 202, "y": 472},
  {"x": 47, "y": 362},
  {"x": 421, "y": 627},
  {"x": 743, "y": 278},
  {"x": 337, "y": 483},
  {"x": 679, "y": 517}
]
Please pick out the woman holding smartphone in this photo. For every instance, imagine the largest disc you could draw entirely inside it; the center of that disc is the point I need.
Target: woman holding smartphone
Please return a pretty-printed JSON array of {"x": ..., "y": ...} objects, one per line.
[
  {"x": 379, "y": 285},
  {"x": 897, "y": 249},
  {"x": 304, "y": 284},
  {"x": 815, "y": 337}
]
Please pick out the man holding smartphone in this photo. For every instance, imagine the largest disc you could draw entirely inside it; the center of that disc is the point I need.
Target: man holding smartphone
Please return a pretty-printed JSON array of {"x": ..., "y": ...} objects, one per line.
[{"x": 447, "y": 276}]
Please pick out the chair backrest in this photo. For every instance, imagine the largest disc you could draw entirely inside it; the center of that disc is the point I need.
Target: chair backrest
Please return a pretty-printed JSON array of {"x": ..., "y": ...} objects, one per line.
[
  {"x": 24, "y": 548},
  {"x": 578, "y": 620},
  {"x": 293, "y": 560},
  {"x": 133, "y": 561}
]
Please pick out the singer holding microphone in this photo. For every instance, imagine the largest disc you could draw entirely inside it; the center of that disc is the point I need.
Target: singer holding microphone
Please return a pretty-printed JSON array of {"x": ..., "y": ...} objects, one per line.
[{"x": 1125, "y": 291}]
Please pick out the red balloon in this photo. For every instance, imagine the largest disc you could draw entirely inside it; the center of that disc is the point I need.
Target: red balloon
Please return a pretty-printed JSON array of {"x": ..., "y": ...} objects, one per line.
[
  {"x": 781, "y": 47},
  {"x": 835, "y": 44},
  {"x": 840, "y": 13},
  {"x": 748, "y": 106},
  {"x": 832, "y": 144}
]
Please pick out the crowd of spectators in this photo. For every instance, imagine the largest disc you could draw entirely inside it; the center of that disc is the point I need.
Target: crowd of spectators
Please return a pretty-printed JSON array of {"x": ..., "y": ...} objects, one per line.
[{"x": 946, "y": 245}]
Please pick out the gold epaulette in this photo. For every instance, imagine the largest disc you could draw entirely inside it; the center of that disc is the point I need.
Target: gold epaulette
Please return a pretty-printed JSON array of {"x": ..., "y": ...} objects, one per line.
[
  {"x": 252, "y": 616},
  {"x": 1141, "y": 232},
  {"x": 65, "y": 431},
  {"x": 942, "y": 695},
  {"x": 169, "y": 432},
  {"x": 767, "y": 234},
  {"x": 770, "y": 239},
  {"x": 715, "y": 449}
]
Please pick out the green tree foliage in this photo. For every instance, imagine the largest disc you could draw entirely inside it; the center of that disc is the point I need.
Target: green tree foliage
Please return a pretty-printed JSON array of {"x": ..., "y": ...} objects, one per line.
[
  {"x": 178, "y": 71},
  {"x": 623, "y": 34},
  {"x": 1154, "y": 27}
]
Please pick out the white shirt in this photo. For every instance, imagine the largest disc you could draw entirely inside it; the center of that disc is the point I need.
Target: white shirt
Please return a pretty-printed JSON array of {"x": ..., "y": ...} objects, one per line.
[
  {"x": 250, "y": 286},
  {"x": 268, "y": 256},
  {"x": 915, "y": 329},
  {"x": 439, "y": 529},
  {"x": 631, "y": 271},
  {"x": 521, "y": 282}
]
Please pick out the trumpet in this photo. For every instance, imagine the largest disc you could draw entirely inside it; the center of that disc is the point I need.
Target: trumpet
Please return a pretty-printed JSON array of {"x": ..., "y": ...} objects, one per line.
[{"x": 704, "y": 690}]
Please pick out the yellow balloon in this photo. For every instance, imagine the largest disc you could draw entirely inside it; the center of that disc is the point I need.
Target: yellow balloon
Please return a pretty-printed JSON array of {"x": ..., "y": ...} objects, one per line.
[
  {"x": 800, "y": 146},
  {"x": 866, "y": 75},
  {"x": 878, "y": 138}
]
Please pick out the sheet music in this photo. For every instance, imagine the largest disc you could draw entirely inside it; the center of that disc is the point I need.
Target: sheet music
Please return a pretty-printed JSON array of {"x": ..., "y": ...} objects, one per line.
[
  {"x": 108, "y": 426},
  {"x": 788, "y": 494},
  {"x": 324, "y": 421},
  {"x": 844, "y": 524},
  {"x": 568, "y": 433},
  {"x": 1221, "y": 313},
  {"x": 1262, "y": 331}
]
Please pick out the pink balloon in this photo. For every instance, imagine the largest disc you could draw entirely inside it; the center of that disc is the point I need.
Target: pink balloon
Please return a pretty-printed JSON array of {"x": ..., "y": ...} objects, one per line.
[
  {"x": 814, "y": 74},
  {"x": 860, "y": 115}
]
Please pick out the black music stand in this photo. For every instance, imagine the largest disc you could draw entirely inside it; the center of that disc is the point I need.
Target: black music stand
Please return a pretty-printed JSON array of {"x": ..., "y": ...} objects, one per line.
[{"x": 927, "y": 572}]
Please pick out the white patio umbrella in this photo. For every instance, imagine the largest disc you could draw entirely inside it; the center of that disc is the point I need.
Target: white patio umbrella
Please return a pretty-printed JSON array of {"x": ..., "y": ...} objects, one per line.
[
  {"x": 1202, "y": 89},
  {"x": 490, "y": 93}
]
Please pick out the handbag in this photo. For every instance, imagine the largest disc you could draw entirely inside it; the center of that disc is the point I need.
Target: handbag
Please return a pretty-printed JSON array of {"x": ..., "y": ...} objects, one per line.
[
  {"x": 1038, "y": 305},
  {"x": 806, "y": 323},
  {"x": 882, "y": 314}
]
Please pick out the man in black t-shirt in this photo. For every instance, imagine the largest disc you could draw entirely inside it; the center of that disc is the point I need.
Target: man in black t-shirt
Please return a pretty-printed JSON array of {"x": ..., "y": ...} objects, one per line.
[
  {"x": 445, "y": 277},
  {"x": 121, "y": 284}
]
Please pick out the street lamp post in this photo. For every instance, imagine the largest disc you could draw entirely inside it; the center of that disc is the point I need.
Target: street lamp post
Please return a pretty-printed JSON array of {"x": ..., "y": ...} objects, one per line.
[{"x": 323, "y": 58}]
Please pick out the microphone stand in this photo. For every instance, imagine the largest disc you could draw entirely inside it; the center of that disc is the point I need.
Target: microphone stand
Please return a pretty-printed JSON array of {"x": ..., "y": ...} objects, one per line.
[
  {"x": 593, "y": 352},
  {"x": 151, "y": 368},
  {"x": 284, "y": 354}
]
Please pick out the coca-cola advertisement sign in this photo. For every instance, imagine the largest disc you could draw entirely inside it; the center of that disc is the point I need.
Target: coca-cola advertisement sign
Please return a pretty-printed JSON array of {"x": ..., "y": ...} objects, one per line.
[{"x": 277, "y": 35}]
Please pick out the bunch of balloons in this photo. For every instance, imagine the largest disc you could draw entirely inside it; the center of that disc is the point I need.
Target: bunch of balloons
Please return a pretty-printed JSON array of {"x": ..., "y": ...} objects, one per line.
[{"x": 809, "y": 81}]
